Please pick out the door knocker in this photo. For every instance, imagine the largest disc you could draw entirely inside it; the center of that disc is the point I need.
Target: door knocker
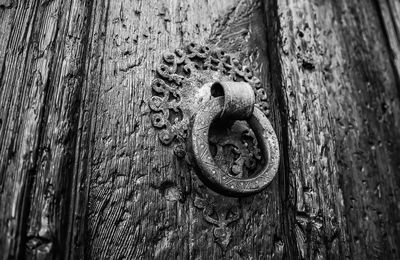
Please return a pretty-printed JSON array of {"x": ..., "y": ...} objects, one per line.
[
  {"x": 182, "y": 108},
  {"x": 235, "y": 103}
]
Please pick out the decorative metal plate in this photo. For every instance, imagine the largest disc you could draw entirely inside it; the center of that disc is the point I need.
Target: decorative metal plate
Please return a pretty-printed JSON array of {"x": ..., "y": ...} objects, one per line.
[{"x": 182, "y": 87}]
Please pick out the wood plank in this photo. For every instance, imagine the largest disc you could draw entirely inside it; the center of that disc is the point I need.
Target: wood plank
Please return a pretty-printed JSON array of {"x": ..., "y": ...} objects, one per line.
[
  {"x": 132, "y": 210},
  {"x": 82, "y": 174},
  {"x": 339, "y": 74},
  {"x": 39, "y": 97}
]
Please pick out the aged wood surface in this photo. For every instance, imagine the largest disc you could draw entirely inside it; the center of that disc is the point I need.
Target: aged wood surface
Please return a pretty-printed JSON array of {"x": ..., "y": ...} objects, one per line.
[
  {"x": 83, "y": 175},
  {"x": 41, "y": 80},
  {"x": 339, "y": 72},
  {"x": 141, "y": 200}
]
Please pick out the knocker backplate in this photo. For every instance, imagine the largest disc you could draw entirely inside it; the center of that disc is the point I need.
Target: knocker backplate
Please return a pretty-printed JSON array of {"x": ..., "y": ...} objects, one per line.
[{"x": 182, "y": 84}]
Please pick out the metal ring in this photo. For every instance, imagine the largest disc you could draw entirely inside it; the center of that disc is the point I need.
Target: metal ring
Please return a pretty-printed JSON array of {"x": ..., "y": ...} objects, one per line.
[{"x": 210, "y": 173}]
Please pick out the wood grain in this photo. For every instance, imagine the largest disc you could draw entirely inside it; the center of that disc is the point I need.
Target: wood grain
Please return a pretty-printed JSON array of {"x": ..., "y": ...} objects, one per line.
[
  {"x": 82, "y": 174},
  {"x": 39, "y": 96},
  {"x": 140, "y": 200},
  {"x": 339, "y": 73}
]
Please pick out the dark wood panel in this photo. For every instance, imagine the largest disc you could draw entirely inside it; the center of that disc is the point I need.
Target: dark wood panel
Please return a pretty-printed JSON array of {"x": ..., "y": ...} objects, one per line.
[
  {"x": 141, "y": 200},
  {"x": 83, "y": 175},
  {"x": 339, "y": 72},
  {"x": 41, "y": 82}
]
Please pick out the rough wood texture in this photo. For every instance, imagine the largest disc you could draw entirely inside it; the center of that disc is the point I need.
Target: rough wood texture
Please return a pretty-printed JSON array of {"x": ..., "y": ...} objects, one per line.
[
  {"x": 141, "y": 200},
  {"x": 41, "y": 80},
  {"x": 82, "y": 173},
  {"x": 340, "y": 80}
]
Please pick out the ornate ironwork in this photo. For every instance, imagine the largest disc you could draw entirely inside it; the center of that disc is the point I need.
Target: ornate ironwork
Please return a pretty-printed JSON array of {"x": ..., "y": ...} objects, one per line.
[
  {"x": 176, "y": 89},
  {"x": 208, "y": 171},
  {"x": 177, "y": 93},
  {"x": 235, "y": 149},
  {"x": 221, "y": 215}
]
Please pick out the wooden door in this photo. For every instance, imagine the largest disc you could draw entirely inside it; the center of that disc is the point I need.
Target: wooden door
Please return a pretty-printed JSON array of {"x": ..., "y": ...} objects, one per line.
[{"x": 83, "y": 173}]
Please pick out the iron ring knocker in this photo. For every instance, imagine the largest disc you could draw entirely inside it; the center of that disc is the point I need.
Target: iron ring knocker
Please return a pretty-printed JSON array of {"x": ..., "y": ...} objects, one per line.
[{"x": 237, "y": 103}]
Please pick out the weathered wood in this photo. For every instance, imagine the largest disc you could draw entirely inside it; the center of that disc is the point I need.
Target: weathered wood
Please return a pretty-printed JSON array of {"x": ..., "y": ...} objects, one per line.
[
  {"x": 141, "y": 203},
  {"x": 340, "y": 81},
  {"x": 39, "y": 98},
  {"x": 83, "y": 175}
]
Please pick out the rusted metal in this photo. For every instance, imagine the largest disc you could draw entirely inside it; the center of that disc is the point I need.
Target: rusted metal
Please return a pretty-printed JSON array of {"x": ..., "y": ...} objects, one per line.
[
  {"x": 239, "y": 99},
  {"x": 235, "y": 104},
  {"x": 188, "y": 82},
  {"x": 183, "y": 84}
]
